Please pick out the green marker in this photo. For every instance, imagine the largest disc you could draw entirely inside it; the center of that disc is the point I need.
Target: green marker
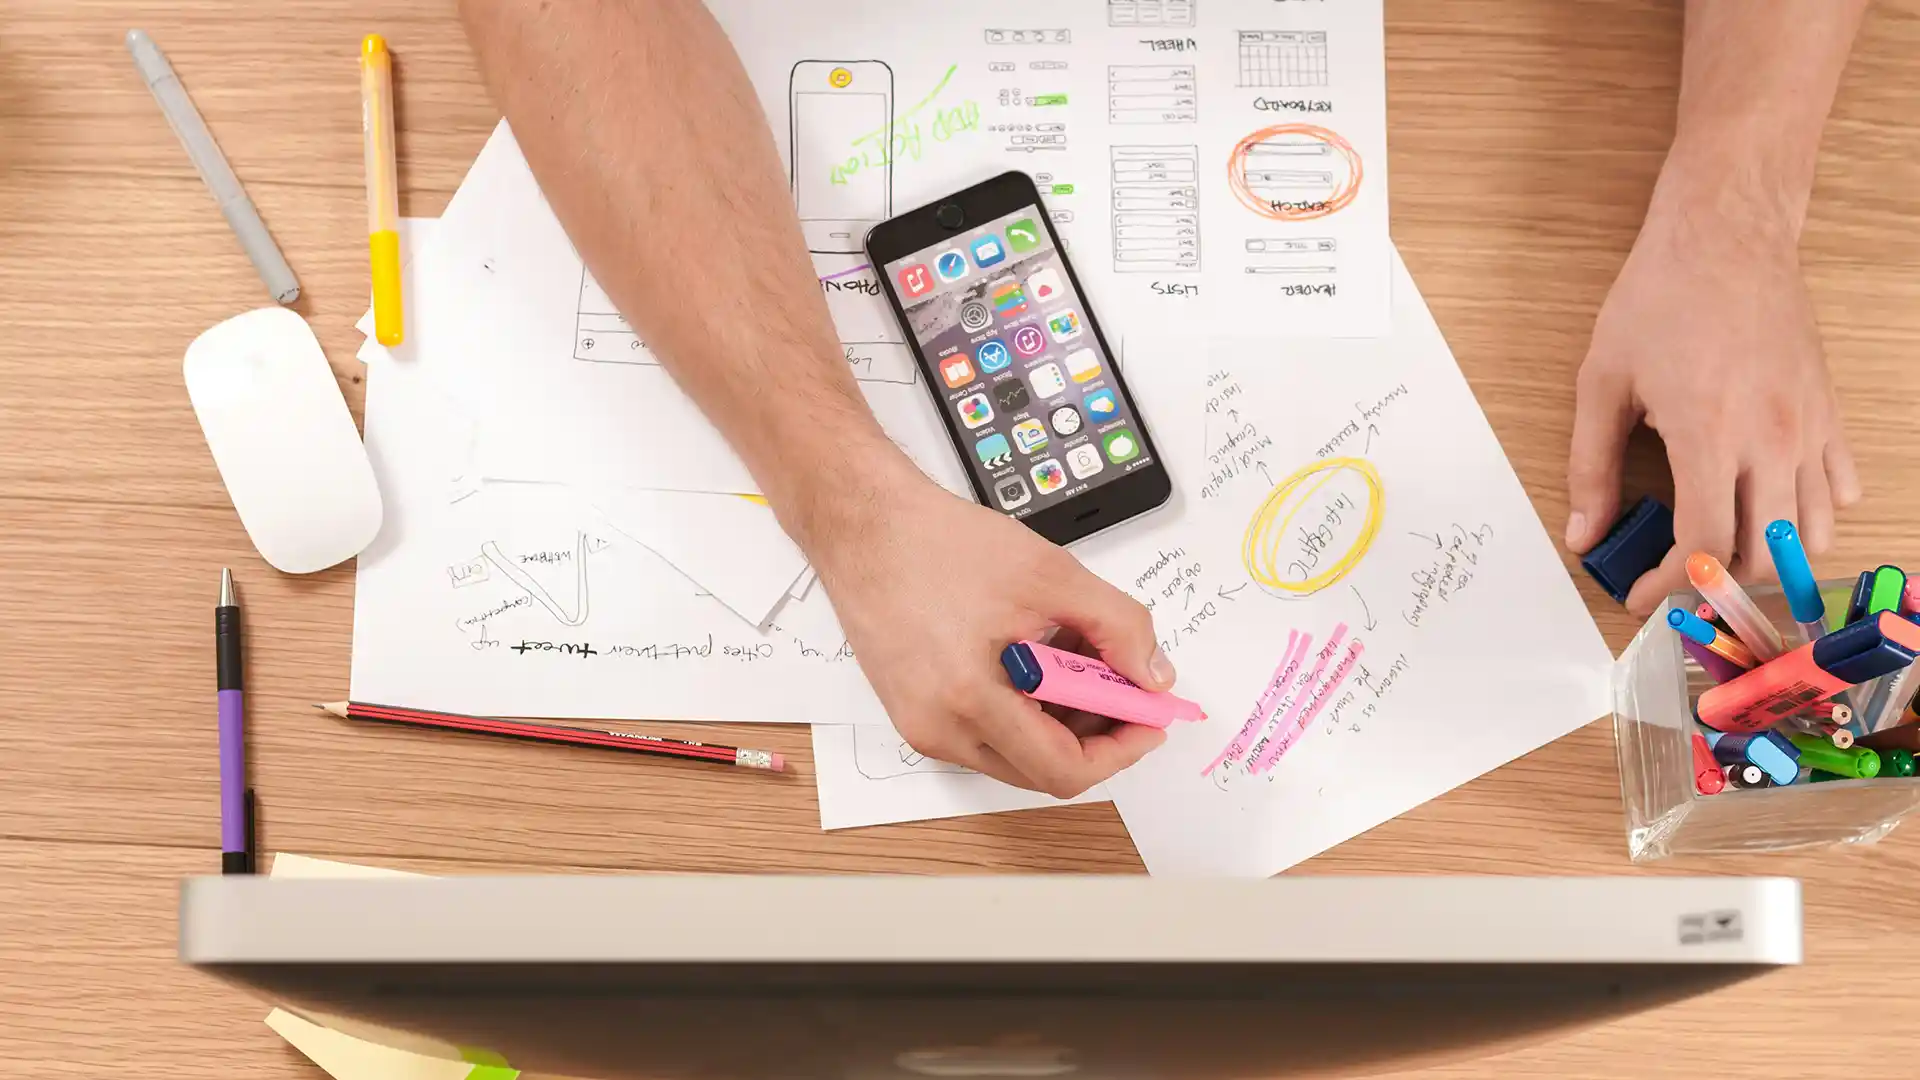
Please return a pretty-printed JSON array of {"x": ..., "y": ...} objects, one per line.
[
  {"x": 1836, "y": 601},
  {"x": 1889, "y": 583},
  {"x": 1858, "y": 763},
  {"x": 1898, "y": 763}
]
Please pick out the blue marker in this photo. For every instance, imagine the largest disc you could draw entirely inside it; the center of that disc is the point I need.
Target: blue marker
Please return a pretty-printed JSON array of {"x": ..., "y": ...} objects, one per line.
[
  {"x": 1778, "y": 757},
  {"x": 1796, "y": 579},
  {"x": 1725, "y": 646}
]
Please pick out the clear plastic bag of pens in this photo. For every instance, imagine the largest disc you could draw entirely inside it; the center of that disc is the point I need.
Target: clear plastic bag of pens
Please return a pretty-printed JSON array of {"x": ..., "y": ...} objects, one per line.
[{"x": 1740, "y": 728}]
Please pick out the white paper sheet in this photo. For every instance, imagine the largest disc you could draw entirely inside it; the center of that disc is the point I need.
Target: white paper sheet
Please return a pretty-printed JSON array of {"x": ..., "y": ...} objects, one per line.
[
  {"x": 730, "y": 546},
  {"x": 870, "y": 776},
  {"x": 521, "y": 600},
  {"x": 1171, "y": 146},
  {"x": 1360, "y": 595},
  {"x": 560, "y": 389}
]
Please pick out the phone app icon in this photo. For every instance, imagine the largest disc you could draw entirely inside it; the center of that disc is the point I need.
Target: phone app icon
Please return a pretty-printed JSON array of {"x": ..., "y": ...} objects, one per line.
[
  {"x": 1028, "y": 341},
  {"x": 950, "y": 265},
  {"x": 1101, "y": 405},
  {"x": 1121, "y": 446},
  {"x": 987, "y": 251},
  {"x": 957, "y": 370},
  {"x": 1029, "y": 436},
  {"x": 994, "y": 452},
  {"x": 1065, "y": 326},
  {"x": 974, "y": 316},
  {"x": 1065, "y": 420},
  {"x": 1023, "y": 236},
  {"x": 1011, "y": 396},
  {"x": 975, "y": 411},
  {"x": 1009, "y": 299},
  {"x": 1044, "y": 286},
  {"x": 1083, "y": 365},
  {"x": 993, "y": 356},
  {"x": 1048, "y": 477},
  {"x": 915, "y": 281},
  {"x": 1084, "y": 461},
  {"x": 1012, "y": 493},
  {"x": 1047, "y": 381}
]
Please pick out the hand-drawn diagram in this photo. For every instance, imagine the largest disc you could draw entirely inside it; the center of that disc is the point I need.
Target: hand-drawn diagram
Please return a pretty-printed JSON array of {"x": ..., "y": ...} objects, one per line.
[
  {"x": 1283, "y": 58},
  {"x": 1307, "y": 255},
  {"x": 602, "y": 335},
  {"x": 1151, "y": 12},
  {"x": 1153, "y": 94},
  {"x": 1156, "y": 209},
  {"x": 879, "y": 754},
  {"x": 525, "y": 581},
  {"x": 1003, "y": 36},
  {"x": 1292, "y": 700},
  {"x": 1033, "y": 120},
  {"x": 1338, "y": 503},
  {"x": 1294, "y": 172},
  {"x": 840, "y": 150}
]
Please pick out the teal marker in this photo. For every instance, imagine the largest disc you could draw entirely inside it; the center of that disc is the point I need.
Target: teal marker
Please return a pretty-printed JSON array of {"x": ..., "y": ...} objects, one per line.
[
  {"x": 1859, "y": 763},
  {"x": 1796, "y": 580}
]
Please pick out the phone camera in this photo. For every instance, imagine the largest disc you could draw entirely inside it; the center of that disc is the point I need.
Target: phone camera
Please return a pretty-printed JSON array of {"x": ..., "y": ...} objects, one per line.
[{"x": 950, "y": 216}]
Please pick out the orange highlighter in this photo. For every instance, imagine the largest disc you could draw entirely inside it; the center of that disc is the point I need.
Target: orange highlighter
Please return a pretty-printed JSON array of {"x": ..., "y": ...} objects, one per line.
[
  {"x": 1814, "y": 672},
  {"x": 383, "y": 188}
]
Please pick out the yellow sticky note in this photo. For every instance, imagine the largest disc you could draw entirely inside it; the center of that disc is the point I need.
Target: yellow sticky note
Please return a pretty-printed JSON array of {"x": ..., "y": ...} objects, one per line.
[{"x": 396, "y": 1055}]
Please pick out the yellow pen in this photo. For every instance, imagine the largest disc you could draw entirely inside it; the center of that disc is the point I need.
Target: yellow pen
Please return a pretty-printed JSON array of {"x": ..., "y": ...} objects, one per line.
[{"x": 383, "y": 189}]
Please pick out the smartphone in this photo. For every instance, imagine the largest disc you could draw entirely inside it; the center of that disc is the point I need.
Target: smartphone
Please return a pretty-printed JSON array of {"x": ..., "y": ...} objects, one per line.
[
  {"x": 1016, "y": 361},
  {"x": 840, "y": 129}
]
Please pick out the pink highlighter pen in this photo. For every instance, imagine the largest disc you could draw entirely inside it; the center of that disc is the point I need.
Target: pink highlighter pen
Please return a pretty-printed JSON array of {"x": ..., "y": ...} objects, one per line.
[{"x": 1045, "y": 673}]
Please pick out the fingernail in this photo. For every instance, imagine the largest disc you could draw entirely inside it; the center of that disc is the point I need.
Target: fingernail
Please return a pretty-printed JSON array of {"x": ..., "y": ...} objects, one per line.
[
  {"x": 1160, "y": 668},
  {"x": 1576, "y": 528}
]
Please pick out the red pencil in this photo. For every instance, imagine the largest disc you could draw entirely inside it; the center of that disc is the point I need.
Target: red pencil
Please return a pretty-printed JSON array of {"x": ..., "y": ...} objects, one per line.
[{"x": 556, "y": 733}]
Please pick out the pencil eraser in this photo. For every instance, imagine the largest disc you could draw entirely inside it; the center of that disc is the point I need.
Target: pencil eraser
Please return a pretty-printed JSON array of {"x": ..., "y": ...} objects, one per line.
[
  {"x": 779, "y": 762},
  {"x": 1635, "y": 545}
]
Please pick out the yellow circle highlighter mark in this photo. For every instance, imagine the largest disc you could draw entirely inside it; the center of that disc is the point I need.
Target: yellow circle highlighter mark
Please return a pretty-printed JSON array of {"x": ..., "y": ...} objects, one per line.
[
  {"x": 1260, "y": 550},
  {"x": 839, "y": 78}
]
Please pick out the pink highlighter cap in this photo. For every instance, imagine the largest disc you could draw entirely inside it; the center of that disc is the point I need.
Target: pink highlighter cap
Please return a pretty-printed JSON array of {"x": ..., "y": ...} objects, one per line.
[{"x": 1058, "y": 677}]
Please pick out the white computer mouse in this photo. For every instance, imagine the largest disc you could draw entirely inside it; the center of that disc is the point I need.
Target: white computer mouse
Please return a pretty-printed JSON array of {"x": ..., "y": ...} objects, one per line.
[{"x": 283, "y": 440}]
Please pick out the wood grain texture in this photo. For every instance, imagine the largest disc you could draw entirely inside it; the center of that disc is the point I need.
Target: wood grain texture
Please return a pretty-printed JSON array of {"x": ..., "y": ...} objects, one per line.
[{"x": 1525, "y": 136}]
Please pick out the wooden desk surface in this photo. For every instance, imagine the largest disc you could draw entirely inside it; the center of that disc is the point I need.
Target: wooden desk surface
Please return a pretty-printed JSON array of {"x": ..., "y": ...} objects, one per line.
[{"x": 1525, "y": 138}]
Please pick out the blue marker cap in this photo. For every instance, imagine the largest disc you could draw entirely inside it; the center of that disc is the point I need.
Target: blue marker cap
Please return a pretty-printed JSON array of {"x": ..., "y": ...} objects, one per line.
[
  {"x": 1635, "y": 545},
  {"x": 1796, "y": 574},
  {"x": 1022, "y": 667},
  {"x": 1693, "y": 626},
  {"x": 1771, "y": 751},
  {"x": 1859, "y": 651}
]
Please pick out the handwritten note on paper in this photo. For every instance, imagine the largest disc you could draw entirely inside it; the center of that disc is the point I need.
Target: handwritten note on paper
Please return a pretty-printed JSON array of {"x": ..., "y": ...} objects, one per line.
[
  {"x": 869, "y": 776},
  {"x": 521, "y": 600},
  {"x": 1400, "y": 621}
]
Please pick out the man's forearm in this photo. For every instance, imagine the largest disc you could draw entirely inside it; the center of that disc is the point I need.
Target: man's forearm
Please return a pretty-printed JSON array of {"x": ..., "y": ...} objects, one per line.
[
  {"x": 650, "y": 145},
  {"x": 1758, "y": 79}
]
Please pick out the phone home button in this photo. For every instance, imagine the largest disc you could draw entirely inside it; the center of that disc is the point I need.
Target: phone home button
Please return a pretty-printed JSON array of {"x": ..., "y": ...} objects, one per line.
[{"x": 950, "y": 215}]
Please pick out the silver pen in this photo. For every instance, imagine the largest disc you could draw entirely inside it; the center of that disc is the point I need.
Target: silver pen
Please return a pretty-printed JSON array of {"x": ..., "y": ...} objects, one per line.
[{"x": 192, "y": 130}]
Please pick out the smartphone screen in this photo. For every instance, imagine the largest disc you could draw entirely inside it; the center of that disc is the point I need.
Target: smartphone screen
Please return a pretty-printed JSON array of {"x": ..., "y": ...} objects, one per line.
[{"x": 1026, "y": 381}]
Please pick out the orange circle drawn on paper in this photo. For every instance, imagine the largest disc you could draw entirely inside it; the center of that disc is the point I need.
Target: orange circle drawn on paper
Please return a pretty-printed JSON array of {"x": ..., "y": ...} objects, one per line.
[{"x": 1343, "y": 194}]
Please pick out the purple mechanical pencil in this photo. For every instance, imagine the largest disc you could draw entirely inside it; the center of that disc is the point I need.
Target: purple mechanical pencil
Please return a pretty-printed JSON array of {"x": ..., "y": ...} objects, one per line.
[{"x": 236, "y": 801}]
